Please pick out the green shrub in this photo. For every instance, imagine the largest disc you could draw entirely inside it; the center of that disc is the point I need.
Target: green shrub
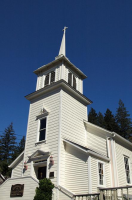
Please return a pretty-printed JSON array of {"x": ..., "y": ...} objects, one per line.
[{"x": 44, "y": 191}]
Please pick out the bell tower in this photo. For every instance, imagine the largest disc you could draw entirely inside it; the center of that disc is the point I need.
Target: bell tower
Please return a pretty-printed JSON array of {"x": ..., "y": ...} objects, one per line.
[{"x": 57, "y": 110}]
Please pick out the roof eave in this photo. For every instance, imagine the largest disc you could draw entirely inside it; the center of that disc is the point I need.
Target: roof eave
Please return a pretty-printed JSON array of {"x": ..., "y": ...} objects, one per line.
[
  {"x": 88, "y": 151},
  {"x": 113, "y": 134},
  {"x": 16, "y": 160},
  {"x": 44, "y": 67},
  {"x": 59, "y": 84}
]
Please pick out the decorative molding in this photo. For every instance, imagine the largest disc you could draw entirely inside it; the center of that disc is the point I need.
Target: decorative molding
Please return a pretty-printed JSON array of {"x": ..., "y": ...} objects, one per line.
[
  {"x": 43, "y": 112},
  {"x": 39, "y": 155}
]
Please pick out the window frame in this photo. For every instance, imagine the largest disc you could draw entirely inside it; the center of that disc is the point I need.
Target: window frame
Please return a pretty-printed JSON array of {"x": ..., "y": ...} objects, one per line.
[
  {"x": 38, "y": 131},
  {"x": 124, "y": 156},
  {"x": 49, "y": 82},
  {"x": 104, "y": 183},
  {"x": 72, "y": 75}
]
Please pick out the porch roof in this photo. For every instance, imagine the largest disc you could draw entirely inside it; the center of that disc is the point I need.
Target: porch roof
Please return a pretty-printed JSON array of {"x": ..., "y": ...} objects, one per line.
[{"x": 87, "y": 150}]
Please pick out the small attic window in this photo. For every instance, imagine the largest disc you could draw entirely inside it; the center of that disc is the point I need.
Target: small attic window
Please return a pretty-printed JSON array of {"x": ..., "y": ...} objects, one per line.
[
  {"x": 49, "y": 78},
  {"x": 72, "y": 80}
]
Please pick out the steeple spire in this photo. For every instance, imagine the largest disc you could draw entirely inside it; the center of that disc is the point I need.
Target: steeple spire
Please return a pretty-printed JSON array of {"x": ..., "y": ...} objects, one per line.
[{"x": 63, "y": 45}]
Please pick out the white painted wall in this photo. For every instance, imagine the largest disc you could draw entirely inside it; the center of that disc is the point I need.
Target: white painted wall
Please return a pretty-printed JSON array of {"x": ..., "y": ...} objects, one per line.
[
  {"x": 51, "y": 102},
  {"x": 120, "y": 153},
  {"x": 73, "y": 113},
  {"x": 29, "y": 188},
  {"x": 96, "y": 140},
  {"x": 17, "y": 170},
  {"x": 64, "y": 196},
  {"x": 76, "y": 170},
  {"x": 94, "y": 174}
]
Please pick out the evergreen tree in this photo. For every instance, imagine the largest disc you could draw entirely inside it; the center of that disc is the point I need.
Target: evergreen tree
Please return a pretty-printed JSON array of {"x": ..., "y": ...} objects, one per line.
[
  {"x": 19, "y": 149},
  {"x": 8, "y": 142},
  {"x": 44, "y": 191},
  {"x": 123, "y": 120},
  {"x": 21, "y": 145},
  {"x": 100, "y": 120},
  {"x": 92, "y": 117},
  {"x": 110, "y": 122}
]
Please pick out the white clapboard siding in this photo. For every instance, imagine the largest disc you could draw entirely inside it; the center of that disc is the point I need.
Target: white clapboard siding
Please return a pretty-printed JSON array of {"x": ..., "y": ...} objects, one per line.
[
  {"x": 120, "y": 153},
  {"x": 51, "y": 102},
  {"x": 29, "y": 188},
  {"x": 62, "y": 164},
  {"x": 96, "y": 141},
  {"x": 79, "y": 85},
  {"x": 76, "y": 170},
  {"x": 66, "y": 74},
  {"x": 64, "y": 196},
  {"x": 17, "y": 170},
  {"x": 73, "y": 113},
  {"x": 94, "y": 175}
]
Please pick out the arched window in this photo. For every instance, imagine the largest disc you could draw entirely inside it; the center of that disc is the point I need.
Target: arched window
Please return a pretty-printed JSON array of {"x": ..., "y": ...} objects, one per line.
[{"x": 50, "y": 78}]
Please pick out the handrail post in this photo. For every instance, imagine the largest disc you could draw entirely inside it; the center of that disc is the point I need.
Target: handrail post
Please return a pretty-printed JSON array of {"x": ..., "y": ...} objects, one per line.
[
  {"x": 122, "y": 193},
  {"x": 106, "y": 196},
  {"x": 101, "y": 194},
  {"x": 127, "y": 194},
  {"x": 110, "y": 194}
]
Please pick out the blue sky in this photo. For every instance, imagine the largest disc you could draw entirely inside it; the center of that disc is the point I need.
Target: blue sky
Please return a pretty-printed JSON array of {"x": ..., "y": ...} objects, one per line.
[{"x": 98, "y": 41}]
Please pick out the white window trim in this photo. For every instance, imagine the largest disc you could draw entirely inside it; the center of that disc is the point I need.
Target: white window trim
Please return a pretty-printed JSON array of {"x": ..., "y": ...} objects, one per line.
[
  {"x": 72, "y": 79},
  {"x": 49, "y": 77},
  {"x": 37, "y": 165},
  {"x": 104, "y": 181},
  {"x": 129, "y": 184},
  {"x": 38, "y": 130}
]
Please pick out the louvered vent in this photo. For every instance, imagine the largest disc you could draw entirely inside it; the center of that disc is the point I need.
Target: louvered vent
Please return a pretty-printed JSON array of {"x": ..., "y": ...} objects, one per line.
[
  {"x": 70, "y": 78},
  {"x": 52, "y": 76},
  {"x": 47, "y": 80},
  {"x": 74, "y": 82}
]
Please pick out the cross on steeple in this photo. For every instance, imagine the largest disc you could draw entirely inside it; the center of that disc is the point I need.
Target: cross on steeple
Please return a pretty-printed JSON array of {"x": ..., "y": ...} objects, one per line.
[
  {"x": 64, "y": 29},
  {"x": 63, "y": 45}
]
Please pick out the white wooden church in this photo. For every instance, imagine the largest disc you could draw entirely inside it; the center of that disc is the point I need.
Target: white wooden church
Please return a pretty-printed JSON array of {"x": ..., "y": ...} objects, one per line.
[{"x": 80, "y": 158}]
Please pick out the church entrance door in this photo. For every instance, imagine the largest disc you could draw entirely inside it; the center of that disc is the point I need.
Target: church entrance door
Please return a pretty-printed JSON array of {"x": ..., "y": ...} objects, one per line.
[{"x": 42, "y": 172}]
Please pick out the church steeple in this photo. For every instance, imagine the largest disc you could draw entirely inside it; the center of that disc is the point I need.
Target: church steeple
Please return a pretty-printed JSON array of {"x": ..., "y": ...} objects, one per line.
[
  {"x": 61, "y": 69},
  {"x": 63, "y": 44}
]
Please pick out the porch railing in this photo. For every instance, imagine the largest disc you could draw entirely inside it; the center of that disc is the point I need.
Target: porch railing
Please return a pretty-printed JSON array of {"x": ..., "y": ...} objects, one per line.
[
  {"x": 116, "y": 193},
  {"x": 94, "y": 196}
]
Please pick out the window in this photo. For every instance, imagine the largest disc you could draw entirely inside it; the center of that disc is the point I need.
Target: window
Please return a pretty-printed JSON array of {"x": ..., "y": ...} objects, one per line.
[
  {"x": 50, "y": 78},
  {"x": 71, "y": 80},
  {"x": 127, "y": 169},
  {"x": 101, "y": 173},
  {"x": 42, "y": 130}
]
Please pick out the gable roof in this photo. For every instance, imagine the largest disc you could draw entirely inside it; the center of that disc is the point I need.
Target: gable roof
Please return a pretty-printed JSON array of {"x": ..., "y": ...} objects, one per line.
[
  {"x": 117, "y": 137},
  {"x": 2, "y": 177},
  {"x": 16, "y": 160},
  {"x": 39, "y": 154},
  {"x": 87, "y": 150}
]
